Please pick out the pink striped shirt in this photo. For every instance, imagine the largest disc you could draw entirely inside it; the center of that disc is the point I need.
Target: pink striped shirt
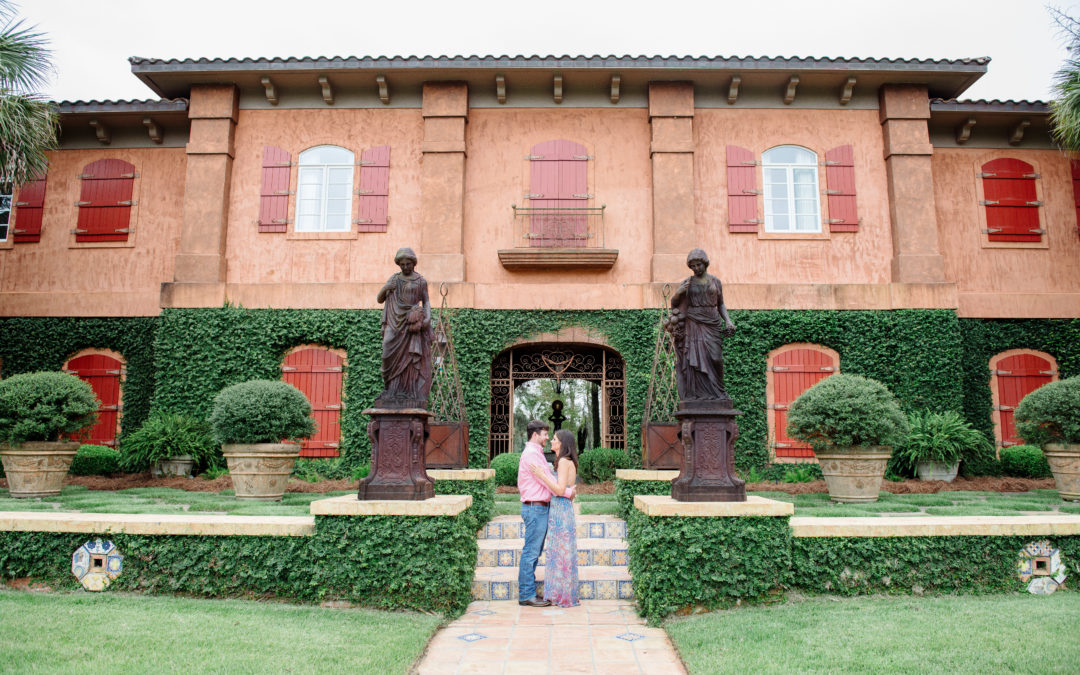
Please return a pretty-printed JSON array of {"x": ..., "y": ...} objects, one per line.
[{"x": 532, "y": 489}]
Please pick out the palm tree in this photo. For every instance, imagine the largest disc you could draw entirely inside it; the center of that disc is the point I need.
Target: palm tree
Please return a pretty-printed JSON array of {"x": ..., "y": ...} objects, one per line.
[
  {"x": 28, "y": 125},
  {"x": 1065, "y": 108}
]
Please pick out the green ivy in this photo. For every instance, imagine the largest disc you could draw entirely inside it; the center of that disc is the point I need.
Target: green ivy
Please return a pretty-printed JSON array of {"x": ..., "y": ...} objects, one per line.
[
  {"x": 28, "y": 344},
  {"x": 414, "y": 562},
  {"x": 483, "y": 495}
]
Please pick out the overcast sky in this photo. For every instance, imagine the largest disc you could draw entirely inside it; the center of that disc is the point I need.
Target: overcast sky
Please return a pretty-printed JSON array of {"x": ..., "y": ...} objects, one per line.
[{"x": 92, "y": 39}]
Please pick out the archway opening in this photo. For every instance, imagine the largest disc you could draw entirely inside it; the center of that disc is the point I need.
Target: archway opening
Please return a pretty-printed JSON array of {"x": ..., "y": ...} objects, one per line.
[{"x": 572, "y": 404}]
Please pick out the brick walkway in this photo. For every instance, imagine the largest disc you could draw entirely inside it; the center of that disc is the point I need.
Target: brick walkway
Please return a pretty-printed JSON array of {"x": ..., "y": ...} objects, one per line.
[{"x": 503, "y": 638}]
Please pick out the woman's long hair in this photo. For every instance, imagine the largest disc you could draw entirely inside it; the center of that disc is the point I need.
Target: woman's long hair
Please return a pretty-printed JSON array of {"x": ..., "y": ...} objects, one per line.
[{"x": 567, "y": 446}]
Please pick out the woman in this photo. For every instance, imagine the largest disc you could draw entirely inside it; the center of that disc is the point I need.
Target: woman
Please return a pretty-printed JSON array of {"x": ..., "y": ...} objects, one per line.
[
  {"x": 406, "y": 325},
  {"x": 560, "y": 570}
]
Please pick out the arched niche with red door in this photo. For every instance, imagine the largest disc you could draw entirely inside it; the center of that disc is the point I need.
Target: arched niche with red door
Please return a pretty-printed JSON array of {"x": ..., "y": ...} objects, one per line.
[
  {"x": 104, "y": 371},
  {"x": 318, "y": 372},
  {"x": 791, "y": 370},
  {"x": 1013, "y": 375}
]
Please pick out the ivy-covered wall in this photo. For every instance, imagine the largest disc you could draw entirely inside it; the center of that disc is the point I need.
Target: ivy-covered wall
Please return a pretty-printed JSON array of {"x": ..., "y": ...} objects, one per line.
[{"x": 29, "y": 344}]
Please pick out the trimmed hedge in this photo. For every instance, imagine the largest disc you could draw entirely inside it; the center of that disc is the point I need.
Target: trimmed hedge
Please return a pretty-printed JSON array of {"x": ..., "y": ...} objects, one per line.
[
  {"x": 483, "y": 495},
  {"x": 599, "y": 464},
  {"x": 1024, "y": 461},
  {"x": 95, "y": 460},
  {"x": 506, "y": 468},
  {"x": 412, "y": 562}
]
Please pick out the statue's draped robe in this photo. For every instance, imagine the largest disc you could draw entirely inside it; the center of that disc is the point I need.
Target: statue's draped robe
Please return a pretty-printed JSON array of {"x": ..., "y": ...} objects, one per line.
[
  {"x": 701, "y": 368},
  {"x": 406, "y": 357}
]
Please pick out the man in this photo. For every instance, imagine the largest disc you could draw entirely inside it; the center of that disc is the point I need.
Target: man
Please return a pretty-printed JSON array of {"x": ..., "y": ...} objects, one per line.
[{"x": 534, "y": 510}]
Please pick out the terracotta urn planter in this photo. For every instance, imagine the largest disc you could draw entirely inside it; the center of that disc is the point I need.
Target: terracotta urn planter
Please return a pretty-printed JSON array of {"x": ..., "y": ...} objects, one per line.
[
  {"x": 181, "y": 465},
  {"x": 260, "y": 471},
  {"x": 854, "y": 473},
  {"x": 37, "y": 469},
  {"x": 1064, "y": 460},
  {"x": 931, "y": 470}
]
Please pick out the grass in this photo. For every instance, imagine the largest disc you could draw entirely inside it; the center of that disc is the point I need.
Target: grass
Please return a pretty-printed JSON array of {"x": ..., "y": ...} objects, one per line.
[
  {"x": 73, "y": 632},
  {"x": 982, "y": 634}
]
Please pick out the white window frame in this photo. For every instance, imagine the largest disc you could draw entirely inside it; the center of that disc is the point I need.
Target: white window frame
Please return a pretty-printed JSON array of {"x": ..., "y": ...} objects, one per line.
[
  {"x": 7, "y": 198},
  {"x": 789, "y": 169},
  {"x": 317, "y": 219}
]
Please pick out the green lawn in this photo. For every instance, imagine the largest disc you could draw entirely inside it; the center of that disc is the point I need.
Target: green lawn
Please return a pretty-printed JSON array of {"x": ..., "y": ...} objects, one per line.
[
  {"x": 109, "y": 632},
  {"x": 970, "y": 634}
]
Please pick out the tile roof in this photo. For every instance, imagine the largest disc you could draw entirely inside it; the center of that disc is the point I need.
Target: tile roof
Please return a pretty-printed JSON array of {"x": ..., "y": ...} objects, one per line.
[
  {"x": 134, "y": 105},
  {"x": 994, "y": 105}
]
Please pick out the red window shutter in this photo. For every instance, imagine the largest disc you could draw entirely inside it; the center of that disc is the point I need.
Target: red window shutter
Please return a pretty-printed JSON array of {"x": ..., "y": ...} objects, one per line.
[
  {"x": 558, "y": 184},
  {"x": 794, "y": 372},
  {"x": 1012, "y": 207},
  {"x": 102, "y": 373},
  {"x": 742, "y": 190},
  {"x": 105, "y": 201},
  {"x": 29, "y": 209},
  {"x": 1018, "y": 376},
  {"x": 274, "y": 195},
  {"x": 374, "y": 196},
  {"x": 1075, "y": 166},
  {"x": 840, "y": 179},
  {"x": 318, "y": 373}
]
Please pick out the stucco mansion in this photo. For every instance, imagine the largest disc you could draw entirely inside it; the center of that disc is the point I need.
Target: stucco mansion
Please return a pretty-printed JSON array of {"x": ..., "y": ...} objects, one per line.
[{"x": 862, "y": 216}]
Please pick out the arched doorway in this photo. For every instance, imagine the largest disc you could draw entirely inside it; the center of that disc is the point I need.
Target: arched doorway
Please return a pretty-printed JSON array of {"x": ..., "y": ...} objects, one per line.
[{"x": 592, "y": 363}]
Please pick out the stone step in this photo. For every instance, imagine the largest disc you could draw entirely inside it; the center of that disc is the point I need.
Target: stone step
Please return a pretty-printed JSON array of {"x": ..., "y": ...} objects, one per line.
[
  {"x": 590, "y": 552},
  {"x": 601, "y": 582},
  {"x": 588, "y": 527}
]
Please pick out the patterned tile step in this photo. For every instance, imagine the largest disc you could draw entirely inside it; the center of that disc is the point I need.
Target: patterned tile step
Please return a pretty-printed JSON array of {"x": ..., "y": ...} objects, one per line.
[
  {"x": 591, "y": 552},
  {"x": 588, "y": 527},
  {"x": 594, "y": 583}
]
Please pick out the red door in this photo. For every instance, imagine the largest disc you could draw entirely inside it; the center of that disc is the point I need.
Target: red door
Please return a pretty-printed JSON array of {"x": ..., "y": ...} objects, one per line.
[
  {"x": 102, "y": 373},
  {"x": 318, "y": 374},
  {"x": 1018, "y": 376},
  {"x": 559, "y": 186},
  {"x": 794, "y": 372}
]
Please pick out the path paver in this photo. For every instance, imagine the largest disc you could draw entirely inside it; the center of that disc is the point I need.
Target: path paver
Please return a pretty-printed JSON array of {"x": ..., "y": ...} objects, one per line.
[{"x": 504, "y": 638}]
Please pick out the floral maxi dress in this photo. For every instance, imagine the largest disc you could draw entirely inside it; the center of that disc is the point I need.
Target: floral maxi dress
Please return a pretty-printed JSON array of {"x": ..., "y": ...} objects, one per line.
[{"x": 560, "y": 570}]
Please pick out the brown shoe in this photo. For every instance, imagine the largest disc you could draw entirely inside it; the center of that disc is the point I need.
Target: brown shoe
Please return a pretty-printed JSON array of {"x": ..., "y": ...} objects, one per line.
[{"x": 534, "y": 602}]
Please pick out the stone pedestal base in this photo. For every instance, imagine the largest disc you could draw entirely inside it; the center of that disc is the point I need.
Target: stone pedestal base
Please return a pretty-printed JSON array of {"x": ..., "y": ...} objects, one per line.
[
  {"x": 708, "y": 470},
  {"x": 397, "y": 455}
]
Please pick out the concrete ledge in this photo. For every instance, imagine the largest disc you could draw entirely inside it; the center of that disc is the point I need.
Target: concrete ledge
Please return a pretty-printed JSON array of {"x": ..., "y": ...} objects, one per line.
[
  {"x": 936, "y": 526},
  {"x": 664, "y": 505},
  {"x": 644, "y": 474},
  {"x": 349, "y": 505},
  {"x": 460, "y": 474},
  {"x": 149, "y": 523}
]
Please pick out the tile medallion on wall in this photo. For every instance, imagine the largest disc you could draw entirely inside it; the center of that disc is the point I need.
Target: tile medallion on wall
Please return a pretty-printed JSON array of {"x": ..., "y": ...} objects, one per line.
[
  {"x": 1041, "y": 568},
  {"x": 96, "y": 563}
]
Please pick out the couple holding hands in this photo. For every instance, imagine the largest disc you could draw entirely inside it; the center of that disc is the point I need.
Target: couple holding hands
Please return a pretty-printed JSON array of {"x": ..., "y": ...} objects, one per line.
[{"x": 548, "y": 511}]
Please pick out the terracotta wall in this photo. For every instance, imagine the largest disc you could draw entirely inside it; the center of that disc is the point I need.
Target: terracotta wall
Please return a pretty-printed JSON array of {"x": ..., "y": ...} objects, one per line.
[
  {"x": 89, "y": 280},
  {"x": 277, "y": 258},
  {"x": 1004, "y": 279},
  {"x": 862, "y": 257}
]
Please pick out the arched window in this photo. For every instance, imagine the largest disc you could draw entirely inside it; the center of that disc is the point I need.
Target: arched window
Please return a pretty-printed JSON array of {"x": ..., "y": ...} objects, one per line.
[
  {"x": 792, "y": 203},
  {"x": 325, "y": 181},
  {"x": 791, "y": 370},
  {"x": 318, "y": 372},
  {"x": 104, "y": 371},
  {"x": 558, "y": 193},
  {"x": 1013, "y": 375}
]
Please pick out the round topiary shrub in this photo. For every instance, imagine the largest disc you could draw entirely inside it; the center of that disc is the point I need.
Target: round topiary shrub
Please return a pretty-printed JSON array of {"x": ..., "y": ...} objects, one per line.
[
  {"x": 1024, "y": 461},
  {"x": 261, "y": 411},
  {"x": 599, "y": 464},
  {"x": 847, "y": 410},
  {"x": 1051, "y": 413},
  {"x": 95, "y": 460},
  {"x": 42, "y": 406},
  {"x": 506, "y": 468},
  {"x": 164, "y": 435}
]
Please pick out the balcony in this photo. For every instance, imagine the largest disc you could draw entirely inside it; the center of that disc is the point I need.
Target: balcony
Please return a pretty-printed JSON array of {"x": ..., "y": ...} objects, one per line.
[{"x": 558, "y": 238}]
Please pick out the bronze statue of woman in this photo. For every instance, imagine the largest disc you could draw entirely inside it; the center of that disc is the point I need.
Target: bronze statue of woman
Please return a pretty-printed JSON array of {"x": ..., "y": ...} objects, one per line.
[
  {"x": 699, "y": 322},
  {"x": 406, "y": 333}
]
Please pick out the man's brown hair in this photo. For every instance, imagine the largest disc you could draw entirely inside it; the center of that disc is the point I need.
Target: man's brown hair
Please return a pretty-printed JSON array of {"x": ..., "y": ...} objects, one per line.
[{"x": 533, "y": 427}]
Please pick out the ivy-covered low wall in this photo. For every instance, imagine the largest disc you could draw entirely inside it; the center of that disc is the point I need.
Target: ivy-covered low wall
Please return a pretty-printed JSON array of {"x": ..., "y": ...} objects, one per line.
[
  {"x": 483, "y": 497},
  {"x": 391, "y": 562},
  {"x": 626, "y": 490}
]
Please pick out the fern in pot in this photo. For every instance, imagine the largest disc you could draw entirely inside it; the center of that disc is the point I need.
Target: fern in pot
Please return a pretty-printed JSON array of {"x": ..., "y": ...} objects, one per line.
[
  {"x": 257, "y": 423},
  {"x": 169, "y": 444},
  {"x": 936, "y": 444}
]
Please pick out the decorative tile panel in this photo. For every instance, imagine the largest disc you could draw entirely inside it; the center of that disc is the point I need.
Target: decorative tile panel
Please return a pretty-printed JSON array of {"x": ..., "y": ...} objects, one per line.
[{"x": 96, "y": 563}]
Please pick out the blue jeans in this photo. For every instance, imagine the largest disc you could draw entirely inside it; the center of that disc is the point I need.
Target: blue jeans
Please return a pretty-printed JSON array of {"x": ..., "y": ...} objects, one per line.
[{"x": 536, "y": 523}]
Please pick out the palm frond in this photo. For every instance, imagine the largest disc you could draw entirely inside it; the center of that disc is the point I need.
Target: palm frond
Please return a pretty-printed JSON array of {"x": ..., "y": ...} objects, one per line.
[
  {"x": 25, "y": 60},
  {"x": 28, "y": 128}
]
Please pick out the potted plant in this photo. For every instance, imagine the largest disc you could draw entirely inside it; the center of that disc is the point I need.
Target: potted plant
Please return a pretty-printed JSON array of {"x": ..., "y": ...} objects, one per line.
[
  {"x": 851, "y": 422},
  {"x": 169, "y": 444},
  {"x": 35, "y": 410},
  {"x": 1050, "y": 418},
  {"x": 255, "y": 422},
  {"x": 936, "y": 443}
]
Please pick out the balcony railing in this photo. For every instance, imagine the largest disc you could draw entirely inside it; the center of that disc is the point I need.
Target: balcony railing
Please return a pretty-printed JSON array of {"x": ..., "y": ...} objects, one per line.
[{"x": 558, "y": 227}]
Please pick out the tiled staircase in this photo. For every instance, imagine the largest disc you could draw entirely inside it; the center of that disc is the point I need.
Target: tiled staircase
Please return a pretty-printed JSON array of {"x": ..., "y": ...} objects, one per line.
[{"x": 602, "y": 559}]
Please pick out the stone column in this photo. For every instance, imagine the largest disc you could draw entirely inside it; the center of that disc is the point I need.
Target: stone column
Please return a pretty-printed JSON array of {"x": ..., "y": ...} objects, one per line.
[
  {"x": 671, "y": 120},
  {"x": 442, "y": 181},
  {"x": 904, "y": 110}
]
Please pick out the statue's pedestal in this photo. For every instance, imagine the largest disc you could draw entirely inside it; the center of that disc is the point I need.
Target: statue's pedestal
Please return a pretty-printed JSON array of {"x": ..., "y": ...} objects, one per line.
[
  {"x": 708, "y": 472},
  {"x": 397, "y": 455}
]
